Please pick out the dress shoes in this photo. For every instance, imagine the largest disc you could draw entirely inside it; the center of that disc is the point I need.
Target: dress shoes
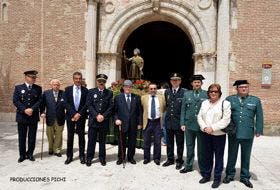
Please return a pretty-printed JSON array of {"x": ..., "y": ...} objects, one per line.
[
  {"x": 119, "y": 162},
  {"x": 179, "y": 165},
  {"x": 246, "y": 182},
  {"x": 204, "y": 180},
  {"x": 185, "y": 170},
  {"x": 30, "y": 157},
  {"x": 215, "y": 184},
  {"x": 88, "y": 163},
  {"x": 68, "y": 160},
  {"x": 82, "y": 160},
  {"x": 227, "y": 180},
  {"x": 132, "y": 161},
  {"x": 157, "y": 162},
  {"x": 146, "y": 161},
  {"x": 103, "y": 162},
  {"x": 167, "y": 163},
  {"x": 50, "y": 152},
  {"x": 21, "y": 159},
  {"x": 58, "y": 154}
]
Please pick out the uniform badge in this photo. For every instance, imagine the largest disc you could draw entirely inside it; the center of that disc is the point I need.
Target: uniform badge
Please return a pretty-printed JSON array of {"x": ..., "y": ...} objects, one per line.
[
  {"x": 61, "y": 100},
  {"x": 22, "y": 91},
  {"x": 95, "y": 95}
]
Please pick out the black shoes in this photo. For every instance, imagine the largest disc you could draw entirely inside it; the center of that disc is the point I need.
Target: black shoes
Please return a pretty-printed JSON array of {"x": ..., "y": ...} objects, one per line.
[
  {"x": 227, "y": 180},
  {"x": 82, "y": 160},
  {"x": 185, "y": 170},
  {"x": 146, "y": 161},
  {"x": 68, "y": 160},
  {"x": 58, "y": 154},
  {"x": 50, "y": 152},
  {"x": 103, "y": 162},
  {"x": 204, "y": 180},
  {"x": 179, "y": 165},
  {"x": 167, "y": 163},
  {"x": 88, "y": 163},
  {"x": 246, "y": 182},
  {"x": 132, "y": 161},
  {"x": 216, "y": 184},
  {"x": 157, "y": 162},
  {"x": 21, "y": 159},
  {"x": 30, "y": 157},
  {"x": 119, "y": 162}
]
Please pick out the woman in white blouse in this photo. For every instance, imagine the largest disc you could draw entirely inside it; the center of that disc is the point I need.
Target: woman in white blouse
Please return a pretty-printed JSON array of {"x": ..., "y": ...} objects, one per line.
[{"x": 213, "y": 116}]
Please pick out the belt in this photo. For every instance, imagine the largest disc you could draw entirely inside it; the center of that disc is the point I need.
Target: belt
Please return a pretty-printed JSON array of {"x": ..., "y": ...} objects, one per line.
[{"x": 153, "y": 120}]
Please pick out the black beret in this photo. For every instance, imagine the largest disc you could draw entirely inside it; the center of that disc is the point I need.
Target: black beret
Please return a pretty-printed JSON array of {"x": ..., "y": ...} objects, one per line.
[
  {"x": 101, "y": 77},
  {"x": 239, "y": 82},
  {"x": 175, "y": 76},
  {"x": 197, "y": 77},
  {"x": 31, "y": 72}
]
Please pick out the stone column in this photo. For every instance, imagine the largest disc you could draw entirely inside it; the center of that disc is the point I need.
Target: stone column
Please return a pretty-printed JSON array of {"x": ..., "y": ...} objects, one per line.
[
  {"x": 222, "y": 67},
  {"x": 90, "y": 38}
]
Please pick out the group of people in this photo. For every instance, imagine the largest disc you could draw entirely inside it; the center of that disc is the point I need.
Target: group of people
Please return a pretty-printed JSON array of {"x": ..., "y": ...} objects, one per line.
[{"x": 194, "y": 115}]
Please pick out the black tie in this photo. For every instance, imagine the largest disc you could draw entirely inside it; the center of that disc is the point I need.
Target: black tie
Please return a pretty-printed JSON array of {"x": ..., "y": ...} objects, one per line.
[
  {"x": 174, "y": 91},
  {"x": 153, "y": 108},
  {"x": 29, "y": 87},
  {"x": 128, "y": 101},
  {"x": 101, "y": 92}
]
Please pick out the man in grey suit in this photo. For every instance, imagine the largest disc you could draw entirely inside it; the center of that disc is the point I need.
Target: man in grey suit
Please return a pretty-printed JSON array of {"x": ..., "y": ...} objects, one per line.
[{"x": 53, "y": 110}]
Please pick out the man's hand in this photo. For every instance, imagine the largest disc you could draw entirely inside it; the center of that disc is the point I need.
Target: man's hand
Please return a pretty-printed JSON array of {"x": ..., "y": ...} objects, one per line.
[
  {"x": 258, "y": 134},
  {"x": 28, "y": 111},
  {"x": 43, "y": 115},
  {"x": 118, "y": 122},
  {"x": 183, "y": 128},
  {"x": 139, "y": 126},
  {"x": 99, "y": 118},
  {"x": 76, "y": 117},
  {"x": 208, "y": 130}
]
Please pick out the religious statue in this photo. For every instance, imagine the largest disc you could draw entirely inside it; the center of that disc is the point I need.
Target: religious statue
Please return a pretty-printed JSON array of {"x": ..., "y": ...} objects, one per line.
[{"x": 137, "y": 63}]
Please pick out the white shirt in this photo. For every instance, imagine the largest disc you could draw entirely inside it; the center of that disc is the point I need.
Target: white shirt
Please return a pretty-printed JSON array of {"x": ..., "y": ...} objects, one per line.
[
  {"x": 157, "y": 107},
  {"x": 75, "y": 91}
]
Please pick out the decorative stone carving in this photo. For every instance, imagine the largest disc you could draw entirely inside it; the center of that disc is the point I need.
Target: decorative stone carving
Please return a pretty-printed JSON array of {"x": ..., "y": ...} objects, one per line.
[
  {"x": 206, "y": 59},
  {"x": 156, "y": 5},
  {"x": 109, "y": 7},
  {"x": 204, "y": 4},
  {"x": 105, "y": 60}
]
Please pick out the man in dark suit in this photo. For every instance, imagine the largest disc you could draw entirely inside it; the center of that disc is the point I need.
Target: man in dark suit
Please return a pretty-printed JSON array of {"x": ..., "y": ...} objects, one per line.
[
  {"x": 27, "y": 99},
  {"x": 100, "y": 105},
  {"x": 53, "y": 109},
  {"x": 75, "y": 105},
  {"x": 173, "y": 98},
  {"x": 128, "y": 117}
]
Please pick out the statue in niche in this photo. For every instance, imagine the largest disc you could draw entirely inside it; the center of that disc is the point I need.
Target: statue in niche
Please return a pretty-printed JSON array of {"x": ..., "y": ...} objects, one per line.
[{"x": 136, "y": 65}]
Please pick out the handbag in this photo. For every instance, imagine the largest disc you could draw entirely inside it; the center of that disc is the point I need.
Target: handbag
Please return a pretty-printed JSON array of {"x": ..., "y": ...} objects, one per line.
[{"x": 231, "y": 128}]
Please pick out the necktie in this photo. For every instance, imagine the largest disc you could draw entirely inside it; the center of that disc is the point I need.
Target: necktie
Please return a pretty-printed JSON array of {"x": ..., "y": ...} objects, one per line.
[
  {"x": 128, "y": 101},
  {"x": 153, "y": 108},
  {"x": 55, "y": 96},
  {"x": 174, "y": 91},
  {"x": 77, "y": 98},
  {"x": 29, "y": 87},
  {"x": 101, "y": 92}
]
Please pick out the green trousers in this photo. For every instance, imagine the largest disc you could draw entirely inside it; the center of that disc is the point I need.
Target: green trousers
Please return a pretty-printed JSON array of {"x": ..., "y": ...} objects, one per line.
[
  {"x": 54, "y": 134},
  {"x": 191, "y": 136},
  {"x": 246, "y": 148}
]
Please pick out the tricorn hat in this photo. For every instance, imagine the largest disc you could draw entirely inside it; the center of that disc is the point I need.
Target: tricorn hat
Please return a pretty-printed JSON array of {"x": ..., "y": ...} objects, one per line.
[
  {"x": 197, "y": 77},
  {"x": 239, "y": 82},
  {"x": 175, "y": 76},
  {"x": 101, "y": 77}
]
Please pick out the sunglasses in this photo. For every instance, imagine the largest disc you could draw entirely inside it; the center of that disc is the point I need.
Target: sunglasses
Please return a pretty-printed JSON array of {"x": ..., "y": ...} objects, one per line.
[{"x": 214, "y": 91}]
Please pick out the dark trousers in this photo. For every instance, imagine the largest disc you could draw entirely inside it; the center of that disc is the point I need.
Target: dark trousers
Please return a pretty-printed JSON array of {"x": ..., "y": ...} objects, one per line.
[
  {"x": 214, "y": 145},
  {"x": 101, "y": 131},
  {"x": 191, "y": 136},
  {"x": 152, "y": 129},
  {"x": 246, "y": 148},
  {"x": 29, "y": 130},
  {"x": 79, "y": 128},
  {"x": 179, "y": 136},
  {"x": 128, "y": 140}
]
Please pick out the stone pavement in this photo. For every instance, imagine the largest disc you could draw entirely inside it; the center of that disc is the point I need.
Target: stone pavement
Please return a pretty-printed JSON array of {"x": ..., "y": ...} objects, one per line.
[{"x": 51, "y": 173}]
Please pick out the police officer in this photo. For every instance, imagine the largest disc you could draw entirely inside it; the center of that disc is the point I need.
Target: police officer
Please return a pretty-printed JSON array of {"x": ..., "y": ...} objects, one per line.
[
  {"x": 27, "y": 99},
  {"x": 190, "y": 107},
  {"x": 100, "y": 106},
  {"x": 247, "y": 115},
  {"x": 173, "y": 97}
]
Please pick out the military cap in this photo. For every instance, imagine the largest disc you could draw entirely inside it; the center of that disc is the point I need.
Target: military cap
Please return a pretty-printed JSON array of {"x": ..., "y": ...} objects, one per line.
[
  {"x": 239, "y": 82},
  {"x": 197, "y": 77},
  {"x": 102, "y": 77},
  {"x": 127, "y": 83},
  {"x": 31, "y": 73},
  {"x": 175, "y": 76}
]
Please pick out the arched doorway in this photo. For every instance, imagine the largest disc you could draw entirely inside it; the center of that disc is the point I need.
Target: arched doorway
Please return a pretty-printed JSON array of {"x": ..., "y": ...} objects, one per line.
[{"x": 165, "y": 48}]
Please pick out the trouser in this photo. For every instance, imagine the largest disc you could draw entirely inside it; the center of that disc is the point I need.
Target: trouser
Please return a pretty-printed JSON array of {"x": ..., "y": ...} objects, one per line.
[
  {"x": 128, "y": 140},
  {"x": 179, "y": 136},
  {"x": 152, "y": 129},
  {"x": 28, "y": 130},
  {"x": 214, "y": 146},
  {"x": 246, "y": 148},
  {"x": 54, "y": 134},
  {"x": 79, "y": 128},
  {"x": 92, "y": 138},
  {"x": 191, "y": 136}
]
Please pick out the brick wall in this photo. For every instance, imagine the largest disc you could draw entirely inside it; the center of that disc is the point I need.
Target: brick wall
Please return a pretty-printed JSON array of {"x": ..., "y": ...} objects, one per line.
[{"x": 255, "y": 41}]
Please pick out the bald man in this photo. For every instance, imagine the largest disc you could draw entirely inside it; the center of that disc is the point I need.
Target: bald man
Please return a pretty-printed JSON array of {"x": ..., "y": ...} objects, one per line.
[{"x": 53, "y": 110}]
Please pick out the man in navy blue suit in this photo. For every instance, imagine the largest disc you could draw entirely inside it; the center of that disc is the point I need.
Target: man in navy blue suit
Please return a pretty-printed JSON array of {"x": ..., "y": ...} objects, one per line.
[
  {"x": 53, "y": 109},
  {"x": 27, "y": 99},
  {"x": 75, "y": 105},
  {"x": 128, "y": 116},
  {"x": 100, "y": 105}
]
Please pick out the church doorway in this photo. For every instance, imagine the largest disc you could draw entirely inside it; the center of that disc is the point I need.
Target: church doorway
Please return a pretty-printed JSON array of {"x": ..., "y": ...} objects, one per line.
[{"x": 165, "y": 48}]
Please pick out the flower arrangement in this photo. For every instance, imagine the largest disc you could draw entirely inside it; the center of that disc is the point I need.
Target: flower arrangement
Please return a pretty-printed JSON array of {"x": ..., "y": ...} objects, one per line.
[{"x": 139, "y": 87}]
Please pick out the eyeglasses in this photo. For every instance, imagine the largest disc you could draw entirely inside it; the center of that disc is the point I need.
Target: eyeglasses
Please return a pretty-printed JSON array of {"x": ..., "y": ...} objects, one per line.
[
  {"x": 152, "y": 88},
  {"x": 214, "y": 91}
]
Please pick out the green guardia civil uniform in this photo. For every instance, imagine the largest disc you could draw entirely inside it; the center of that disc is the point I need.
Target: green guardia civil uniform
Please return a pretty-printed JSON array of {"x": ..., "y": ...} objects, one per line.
[
  {"x": 247, "y": 115},
  {"x": 190, "y": 108}
]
